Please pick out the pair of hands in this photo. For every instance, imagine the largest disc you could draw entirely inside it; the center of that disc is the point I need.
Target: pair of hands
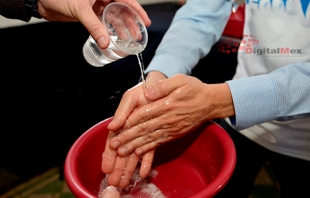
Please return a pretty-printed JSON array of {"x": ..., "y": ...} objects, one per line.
[
  {"x": 87, "y": 12},
  {"x": 146, "y": 118}
]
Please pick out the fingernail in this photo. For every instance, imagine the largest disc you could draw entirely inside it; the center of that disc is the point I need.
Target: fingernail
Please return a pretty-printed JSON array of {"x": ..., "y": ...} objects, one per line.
[
  {"x": 112, "y": 122},
  {"x": 123, "y": 151},
  {"x": 115, "y": 144}
]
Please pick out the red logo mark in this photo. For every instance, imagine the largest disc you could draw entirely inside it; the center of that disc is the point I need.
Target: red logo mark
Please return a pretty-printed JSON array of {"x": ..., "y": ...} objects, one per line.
[
  {"x": 247, "y": 42},
  {"x": 228, "y": 45}
]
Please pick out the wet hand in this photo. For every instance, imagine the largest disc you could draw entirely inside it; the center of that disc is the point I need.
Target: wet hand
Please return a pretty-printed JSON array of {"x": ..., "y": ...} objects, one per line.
[
  {"x": 121, "y": 169},
  {"x": 179, "y": 105},
  {"x": 132, "y": 100}
]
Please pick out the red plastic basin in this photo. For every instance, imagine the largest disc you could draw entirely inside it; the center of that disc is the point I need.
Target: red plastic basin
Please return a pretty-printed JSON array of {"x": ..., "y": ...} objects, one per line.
[{"x": 197, "y": 165}]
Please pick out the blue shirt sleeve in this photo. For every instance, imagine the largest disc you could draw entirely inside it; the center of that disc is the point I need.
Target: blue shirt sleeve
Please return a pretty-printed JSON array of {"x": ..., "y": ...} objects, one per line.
[
  {"x": 281, "y": 95},
  {"x": 195, "y": 28}
]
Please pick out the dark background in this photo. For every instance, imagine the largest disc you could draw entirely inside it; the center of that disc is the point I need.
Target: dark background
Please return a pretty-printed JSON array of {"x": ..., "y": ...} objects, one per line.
[{"x": 50, "y": 95}]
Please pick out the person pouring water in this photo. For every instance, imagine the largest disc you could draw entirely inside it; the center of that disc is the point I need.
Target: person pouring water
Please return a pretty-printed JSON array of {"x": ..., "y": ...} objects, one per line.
[{"x": 85, "y": 11}]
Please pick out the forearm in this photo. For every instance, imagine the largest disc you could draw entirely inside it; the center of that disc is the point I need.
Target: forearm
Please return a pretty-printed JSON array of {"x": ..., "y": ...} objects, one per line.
[
  {"x": 195, "y": 28},
  {"x": 14, "y": 9}
]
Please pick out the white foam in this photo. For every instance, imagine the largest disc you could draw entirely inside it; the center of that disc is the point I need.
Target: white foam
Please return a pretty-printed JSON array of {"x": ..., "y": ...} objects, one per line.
[{"x": 138, "y": 187}]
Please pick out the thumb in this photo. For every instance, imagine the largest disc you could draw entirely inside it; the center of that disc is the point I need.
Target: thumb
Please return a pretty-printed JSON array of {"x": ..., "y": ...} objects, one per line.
[{"x": 95, "y": 27}]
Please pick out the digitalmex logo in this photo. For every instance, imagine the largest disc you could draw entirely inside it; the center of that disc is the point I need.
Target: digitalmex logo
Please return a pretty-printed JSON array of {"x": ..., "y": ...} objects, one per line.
[
  {"x": 248, "y": 46},
  {"x": 247, "y": 43}
]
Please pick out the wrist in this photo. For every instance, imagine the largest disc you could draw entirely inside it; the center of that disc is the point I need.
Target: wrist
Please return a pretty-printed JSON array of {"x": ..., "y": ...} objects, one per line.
[
  {"x": 154, "y": 76},
  {"x": 223, "y": 101}
]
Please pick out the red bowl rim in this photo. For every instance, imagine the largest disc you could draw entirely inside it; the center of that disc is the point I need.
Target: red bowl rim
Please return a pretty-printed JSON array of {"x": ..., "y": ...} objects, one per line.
[{"x": 70, "y": 170}]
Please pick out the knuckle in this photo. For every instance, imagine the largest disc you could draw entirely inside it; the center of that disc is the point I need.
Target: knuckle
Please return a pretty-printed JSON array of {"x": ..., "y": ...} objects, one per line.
[
  {"x": 134, "y": 157},
  {"x": 93, "y": 28},
  {"x": 127, "y": 93},
  {"x": 113, "y": 181},
  {"x": 142, "y": 128},
  {"x": 148, "y": 137}
]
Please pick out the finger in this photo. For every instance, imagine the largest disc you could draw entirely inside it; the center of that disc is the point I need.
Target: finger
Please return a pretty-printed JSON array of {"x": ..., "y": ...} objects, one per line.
[
  {"x": 119, "y": 27},
  {"x": 131, "y": 24},
  {"x": 146, "y": 164},
  {"x": 138, "y": 8},
  {"x": 145, "y": 120},
  {"x": 110, "y": 192},
  {"x": 127, "y": 105},
  {"x": 131, "y": 165},
  {"x": 165, "y": 87},
  {"x": 108, "y": 156},
  {"x": 129, "y": 136},
  {"x": 142, "y": 147},
  {"x": 95, "y": 27},
  {"x": 118, "y": 171},
  {"x": 99, "y": 6},
  {"x": 123, "y": 24},
  {"x": 145, "y": 143}
]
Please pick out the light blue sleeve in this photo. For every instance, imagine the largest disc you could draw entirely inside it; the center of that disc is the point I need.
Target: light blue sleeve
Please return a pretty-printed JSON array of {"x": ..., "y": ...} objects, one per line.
[
  {"x": 281, "y": 95},
  {"x": 195, "y": 28}
]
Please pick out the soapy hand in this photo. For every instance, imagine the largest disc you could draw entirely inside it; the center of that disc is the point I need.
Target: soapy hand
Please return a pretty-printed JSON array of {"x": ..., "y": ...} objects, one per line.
[
  {"x": 179, "y": 105},
  {"x": 169, "y": 109},
  {"x": 121, "y": 168},
  {"x": 87, "y": 12}
]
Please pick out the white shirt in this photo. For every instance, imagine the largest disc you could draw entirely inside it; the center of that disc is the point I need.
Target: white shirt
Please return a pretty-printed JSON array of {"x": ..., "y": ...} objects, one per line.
[{"x": 266, "y": 87}]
